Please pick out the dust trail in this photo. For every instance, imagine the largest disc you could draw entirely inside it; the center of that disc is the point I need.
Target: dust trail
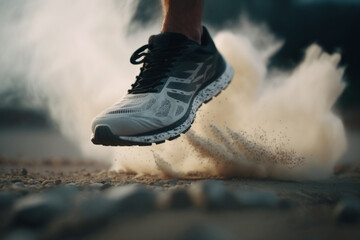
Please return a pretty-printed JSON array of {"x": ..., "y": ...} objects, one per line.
[
  {"x": 266, "y": 124},
  {"x": 72, "y": 58}
]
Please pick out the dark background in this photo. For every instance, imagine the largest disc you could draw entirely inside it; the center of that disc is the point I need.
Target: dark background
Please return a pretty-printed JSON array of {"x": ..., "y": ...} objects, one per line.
[{"x": 333, "y": 24}]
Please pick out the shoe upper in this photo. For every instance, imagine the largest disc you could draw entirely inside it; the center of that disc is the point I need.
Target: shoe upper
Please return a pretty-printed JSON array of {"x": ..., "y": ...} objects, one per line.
[{"x": 173, "y": 69}]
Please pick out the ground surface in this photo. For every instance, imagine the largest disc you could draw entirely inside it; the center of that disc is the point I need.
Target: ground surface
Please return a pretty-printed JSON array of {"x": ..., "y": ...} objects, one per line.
[{"x": 170, "y": 209}]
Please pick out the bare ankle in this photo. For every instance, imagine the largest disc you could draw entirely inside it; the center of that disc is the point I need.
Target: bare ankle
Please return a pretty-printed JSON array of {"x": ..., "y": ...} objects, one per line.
[
  {"x": 192, "y": 33},
  {"x": 183, "y": 16}
]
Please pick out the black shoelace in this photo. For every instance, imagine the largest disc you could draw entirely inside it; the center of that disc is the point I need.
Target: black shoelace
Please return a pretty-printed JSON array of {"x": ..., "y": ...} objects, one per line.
[{"x": 157, "y": 62}]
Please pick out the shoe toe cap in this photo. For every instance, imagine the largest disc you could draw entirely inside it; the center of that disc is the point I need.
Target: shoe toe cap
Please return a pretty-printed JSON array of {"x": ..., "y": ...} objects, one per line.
[{"x": 126, "y": 126}]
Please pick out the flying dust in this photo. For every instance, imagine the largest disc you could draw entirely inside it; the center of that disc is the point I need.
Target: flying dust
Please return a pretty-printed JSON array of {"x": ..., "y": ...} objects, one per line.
[{"x": 277, "y": 124}]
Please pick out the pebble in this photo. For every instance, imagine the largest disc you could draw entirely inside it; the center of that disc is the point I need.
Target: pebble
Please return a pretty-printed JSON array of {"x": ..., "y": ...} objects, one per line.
[
  {"x": 15, "y": 180},
  {"x": 159, "y": 183},
  {"x": 24, "y": 172},
  {"x": 106, "y": 181},
  {"x": 207, "y": 232},
  {"x": 348, "y": 211},
  {"x": 131, "y": 199},
  {"x": 172, "y": 183},
  {"x": 105, "y": 186},
  {"x": 20, "y": 188},
  {"x": 32, "y": 182},
  {"x": 18, "y": 185},
  {"x": 45, "y": 182},
  {"x": 179, "y": 199},
  {"x": 213, "y": 195},
  {"x": 57, "y": 181},
  {"x": 96, "y": 208},
  {"x": 96, "y": 186},
  {"x": 37, "y": 209}
]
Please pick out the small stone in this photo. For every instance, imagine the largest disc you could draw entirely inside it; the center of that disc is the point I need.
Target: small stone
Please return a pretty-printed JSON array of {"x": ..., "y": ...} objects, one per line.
[
  {"x": 49, "y": 185},
  {"x": 106, "y": 181},
  {"x": 172, "y": 183},
  {"x": 57, "y": 181},
  {"x": 24, "y": 172},
  {"x": 213, "y": 195},
  {"x": 105, "y": 186},
  {"x": 96, "y": 208},
  {"x": 18, "y": 185},
  {"x": 102, "y": 173},
  {"x": 32, "y": 182},
  {"x": 15, "y": 180},
  {"x": 37, "y": 209},
  {"x": 348, "y": 211},
  {"x": 179, "y": 199},
  {"x": 46, "y": 182},
  {"x": 96, "y": 186},
  {"x": 159, "y": 183},
  {"x": 131, "y": 199}
]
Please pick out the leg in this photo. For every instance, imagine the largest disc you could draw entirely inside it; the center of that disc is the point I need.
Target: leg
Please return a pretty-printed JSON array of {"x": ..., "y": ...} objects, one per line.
[{"x": 183, "y": 16}]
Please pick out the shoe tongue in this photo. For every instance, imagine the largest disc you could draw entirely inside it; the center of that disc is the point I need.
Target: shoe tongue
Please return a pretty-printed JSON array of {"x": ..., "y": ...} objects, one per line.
[{"x": 168, "y": 39}]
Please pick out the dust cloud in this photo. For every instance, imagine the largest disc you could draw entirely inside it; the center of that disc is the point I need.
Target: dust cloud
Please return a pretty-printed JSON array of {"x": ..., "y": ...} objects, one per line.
[
  {"x": 266, "y": 124},
  {"x": 73, "y": 59}
]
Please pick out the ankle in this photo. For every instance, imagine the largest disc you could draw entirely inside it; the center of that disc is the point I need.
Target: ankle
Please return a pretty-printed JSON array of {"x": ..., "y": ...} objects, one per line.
[
  {"x": 183, "y": 16},
  {"x": 193, "y": 33}
]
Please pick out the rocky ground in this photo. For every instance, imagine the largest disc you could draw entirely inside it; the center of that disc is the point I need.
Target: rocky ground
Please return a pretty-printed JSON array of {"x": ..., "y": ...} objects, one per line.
[{"x": 70, "y": 199}]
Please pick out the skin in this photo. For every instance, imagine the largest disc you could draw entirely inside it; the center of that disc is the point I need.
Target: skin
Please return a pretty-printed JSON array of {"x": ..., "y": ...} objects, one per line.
[{"x": 183, "y": 16}]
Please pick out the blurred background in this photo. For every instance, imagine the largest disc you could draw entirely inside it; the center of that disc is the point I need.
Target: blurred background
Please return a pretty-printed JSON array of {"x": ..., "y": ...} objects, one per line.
[{"x": 333, "y": 24}]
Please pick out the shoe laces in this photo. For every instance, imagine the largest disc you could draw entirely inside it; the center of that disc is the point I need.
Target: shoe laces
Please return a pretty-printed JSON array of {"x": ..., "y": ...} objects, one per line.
[{"x": 157, "y": 62}]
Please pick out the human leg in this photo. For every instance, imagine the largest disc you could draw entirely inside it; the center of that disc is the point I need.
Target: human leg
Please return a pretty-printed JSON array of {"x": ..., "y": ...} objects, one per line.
[{"x": 183, "y": 16}]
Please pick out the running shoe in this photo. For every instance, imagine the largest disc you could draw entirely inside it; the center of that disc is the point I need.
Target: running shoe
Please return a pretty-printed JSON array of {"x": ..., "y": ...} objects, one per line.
[{"x": 176, "y": 77}]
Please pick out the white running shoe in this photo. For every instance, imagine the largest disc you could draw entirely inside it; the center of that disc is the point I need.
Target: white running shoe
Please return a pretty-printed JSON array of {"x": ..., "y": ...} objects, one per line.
[{"x": 177, "y": 76}]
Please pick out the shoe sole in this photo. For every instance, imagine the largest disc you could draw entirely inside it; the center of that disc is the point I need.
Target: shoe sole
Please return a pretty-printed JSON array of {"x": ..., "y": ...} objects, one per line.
[{"x": 104, "y": 136}]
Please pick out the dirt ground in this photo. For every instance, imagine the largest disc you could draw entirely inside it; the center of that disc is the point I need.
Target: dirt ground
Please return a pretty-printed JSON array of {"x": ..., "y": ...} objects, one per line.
[{"x": 313, "y": 214}]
